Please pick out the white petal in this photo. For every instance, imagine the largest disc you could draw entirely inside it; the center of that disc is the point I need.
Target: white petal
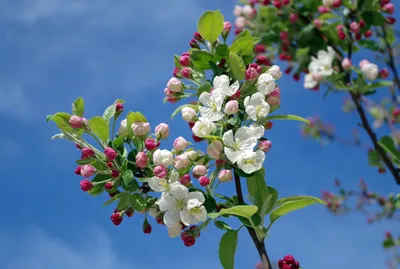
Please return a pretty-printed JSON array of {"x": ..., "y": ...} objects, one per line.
[
  {"x": 251, "y": 112},
  {"x": 246, "y": 101},
  {"x": 232, "y": 155},
  {"x": 192, "y": 203},
  {"x": 179, "y": 192},
  {"x": 258, "y": 130},
  {"x": 205, "y": 98},
  {"x": 227, "y": 138},
  {"x": 206, "y": 112},
  {"x": 171, "y": 217},
  {"x": 216, "y": 116},
  {"x": 221, "y": 81},
  {"x": 235, "y": 86},
  {"x": 202, "y": 216},
  {"x": 166, "y": 202},
  {"x": 187, "y": 218},
  {"x": 174, "y": 230},
  {"x": 174, "y": 177},
  {"x": 196, "y": 195},
  {"x": 156, "y": 184}
]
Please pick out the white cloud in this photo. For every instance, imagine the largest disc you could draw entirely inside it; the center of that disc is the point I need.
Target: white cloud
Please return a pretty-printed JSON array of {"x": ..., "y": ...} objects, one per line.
[{"x": 35, "y": 249}]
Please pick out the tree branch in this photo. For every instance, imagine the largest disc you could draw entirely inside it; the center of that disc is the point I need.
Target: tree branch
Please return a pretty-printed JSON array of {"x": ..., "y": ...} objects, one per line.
[
  {"x": 259, "y": 244},
  {"x": 391, "y": 62}
]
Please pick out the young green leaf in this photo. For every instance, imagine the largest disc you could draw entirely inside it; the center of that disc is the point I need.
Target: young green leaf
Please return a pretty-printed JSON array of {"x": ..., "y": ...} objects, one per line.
[
  {"x": 138, "y": 202},
  {"x": 127, "y": 177},
  {"x": 99, "y": 127},
  {"x": 258, "y": 188},
  {"x": 201, "y": 58},
  {"x": 109, "y": 112},
  {"x": 237, "y": 66},
  {"x": 246, "y": 211},
  {"x": 210, "y": 25},
  {"x": 78, "y": 107},
  {"x": 244, "y": 45},
  {"x": 227, "y": 249},
  {"x": 287, "y": 117},
  {"x": 270, "y": 202},
  {"x": 222, "y": 225},
  {"x": 369, "y": 44},
  {"x": 62, "y": 123},
  {"x": 388, "y": 145}
]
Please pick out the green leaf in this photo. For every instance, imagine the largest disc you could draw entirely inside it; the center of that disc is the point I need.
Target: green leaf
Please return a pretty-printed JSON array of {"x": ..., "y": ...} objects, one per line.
[
  {"x": 379, "y": 84},
  {"x": 242, "y": 34},
  {"x": 118, "y": 141},
  {"x": 258, "y": 188},
  {"x": 62, "y": 123},
  {"x": 287, "y": 117},
  {"x": 388, "y": 243},
  {"x": 78, "y": 107},
  {"x": 206, "y": 87},
  {"x": 124, "y": 201},
  {"x": 369, "y": 44},
  {"x": 227, "y": 249},
  {"x": 312, "y": 5},
  {"x": 270, "y": 202},
  {"x": 387, "y": 143},
  {"x": 237, "y": 66},
  {"x": 373, "y": 18},
  {"x": 138, "y": 202},
  {"x": 201, "y": 58},
  {"x": 268, "y": 14},
  {"x": 246, "y": 211},
  {"x": 222, "y": 50},
  {"x": 244, "y": 45},
  {"x": 176, "y": 112},
  {"x": 292, "y": 204},
  {"x": 127, "y": 177},
  {"x": 114, "y": 198},
  {"x": 240, "y": 173},
  {"x": 327, "y": 16},
  {"x": 109, "y": 112},
  {"x": 99, "y": 127},
  {"x": 374, "y": 159},
  {"x": 302, "y": 52},
  {"x": 210, "y": 25},
  {"x": 136, "y": 117},
  {"x": 98, "y": 188},
  {"x": 298, "y": 198},
  {"x": 222, "y": 225},
  {"x": 390, "y": 36}
]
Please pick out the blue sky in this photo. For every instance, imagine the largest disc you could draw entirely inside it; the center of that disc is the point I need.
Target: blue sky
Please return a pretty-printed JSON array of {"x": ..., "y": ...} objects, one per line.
[{"x": 53, "y": 52}]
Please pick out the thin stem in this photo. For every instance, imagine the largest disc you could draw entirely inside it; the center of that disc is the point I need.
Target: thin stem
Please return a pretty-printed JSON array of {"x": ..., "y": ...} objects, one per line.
[
  {"x": 258, "y": 243},
  {"x": 391, "y": 62}
]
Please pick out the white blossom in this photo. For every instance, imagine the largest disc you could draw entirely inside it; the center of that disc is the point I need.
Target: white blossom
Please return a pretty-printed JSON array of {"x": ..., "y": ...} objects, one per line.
[
  {"x": 203, "y": 127},
  {"x": 222, "y": 85},
  {"x": 266, "y": 83},
  {"x": 188, "y": 113},
  {"x": 251, "y": 161},
  {"x": 236, "y": 145},
  {"x": 163, "y": 157},
  {"x": 370, "y": 70},
  {"x": 323, "y": 63},
  {"x": 309, "y": 82},
  {"x": 257, "y": 130},
  {"x": 256, "y": 106},
  {"x": 161, "y": 184},
  {"x": 275, "y": 72},
  {"x": 211, "y": 105}
]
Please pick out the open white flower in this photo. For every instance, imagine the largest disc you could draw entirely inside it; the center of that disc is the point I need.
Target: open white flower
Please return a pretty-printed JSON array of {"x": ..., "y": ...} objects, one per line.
[
  {"x": 266, "y": 83},
  {"x": 161, "y": 184},
  {"x": 251, "y": 161},
  {"x": 257, "y": 130},
  {"x": 236, "y": 145},
  {"x": 323, "y": 63},
  {"x": 256, "y": 106},
  {"x": 211, "y": 105},
  {"x": 309, "y": 82},
  {"x": 221, "y": 85},
  {"x": 175, "y": 204},
  {"x": 203, "y": 127},
  {"x": 163, "y": 157}
]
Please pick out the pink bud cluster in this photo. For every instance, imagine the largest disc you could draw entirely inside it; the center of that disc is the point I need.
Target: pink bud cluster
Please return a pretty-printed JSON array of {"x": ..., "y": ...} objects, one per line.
[{"x": 288, "y": 262}]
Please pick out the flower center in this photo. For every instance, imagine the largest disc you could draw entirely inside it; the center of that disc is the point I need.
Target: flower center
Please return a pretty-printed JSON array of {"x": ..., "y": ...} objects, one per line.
[
  {"x": 214, "y": 107},
  {"x": 180, "y": 204},
  {"x": 195, "y": 210},
  {"x": 258, "y": 109},
  {"x": 252, "y": 162}
]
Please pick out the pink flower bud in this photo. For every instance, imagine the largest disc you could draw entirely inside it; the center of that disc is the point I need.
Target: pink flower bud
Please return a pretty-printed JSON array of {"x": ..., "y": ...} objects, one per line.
[
  {"x": 251, "y": 73},
  {"x": 189, "y": 241},
  {"x": 342, "y": 35},
  {"x": 236, "y": 95},
  {"x": 181, "y": 161},
  {"x": 75, "y": 122},
  {"x": 119, "y": 107},
  {"x": 384, "y": 73},
  {"x": 110, "y": 153},
  {"x": 274, "y": 98},
  {"x": 227, "y": 28},
  {"x": 368, "y": 33},
  {"x": 193, "y": 44},
  {"x": 346, "y": 64},
  {"x": 198, "y": 37},
  {"x": 262, "y": 60},
  {"x": 140, "y": 128},
  {"x": 265, "y": 145},
  {"x": 231, "y": 107},
  {"x": 220, "y": 163},
  {"x": 215, "y": 148},
  {"x": 86, "y": 185},
  {"x": 168, "y": 93},
  {"x": 78, "y": 170},
  {"x": 204, "y": 181},
  {"x": 259, "y": 48},
  {"x": 257, "y": 67},
  {"x": 199, "y": 170},
  {"x": 109, "y": 185},
  {"x": 180, "y": 143},
  {"x": 225, "y": 175},
  {"x": 278, "y": 4},
  {"x": 116, "y": 218},
  {"x": 323, "y": 9},
  {"x": 363, "y": 62},
  {"x": 176, "y": 71},
  {"x": 87, "y": 170},
  {"x": 293, "y": 17},
  {"x": 388, "y": 8},
  {"x": 337, "y": 3},
  {"x": 269, "y": 125},
  {"x": 147, "y": 228},
  {"x": 240, "y": 22},
  {"x": 318, "y": 23},
  {"x": 150, "y": 144},
  {"x": 197, "y": 139},
  {"x": 162, "y": 131},
  {"x": 355, "y": 28},
  {"x": 184, "y": 60},
  {"x": 114, "y": 173},
  {"x": 390, "y": 20},
  {"x": 87, "y": 153},
  {"x": 174, "y": 85},
  {"x": 266, "y": 2},
  {"x": 185, "y": 180},
  {"x": 186, "y": 73},
  {"x": 141, "y": 160},
  {"x": 129, "y": 213},
  {"x": 284, "y": 35},
  {"x": 285, "y": 2},
  {"x": 160, "y": 171}
]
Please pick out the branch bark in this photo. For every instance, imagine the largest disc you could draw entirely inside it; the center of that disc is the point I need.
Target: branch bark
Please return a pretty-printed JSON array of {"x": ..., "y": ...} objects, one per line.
[
  {"x": 260, "y": 245},
  {"x": 391, "y": 62}
]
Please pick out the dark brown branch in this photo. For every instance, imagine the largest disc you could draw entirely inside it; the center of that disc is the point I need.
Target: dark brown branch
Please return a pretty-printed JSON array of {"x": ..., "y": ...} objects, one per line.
[{"x": 259, "y": 244}]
